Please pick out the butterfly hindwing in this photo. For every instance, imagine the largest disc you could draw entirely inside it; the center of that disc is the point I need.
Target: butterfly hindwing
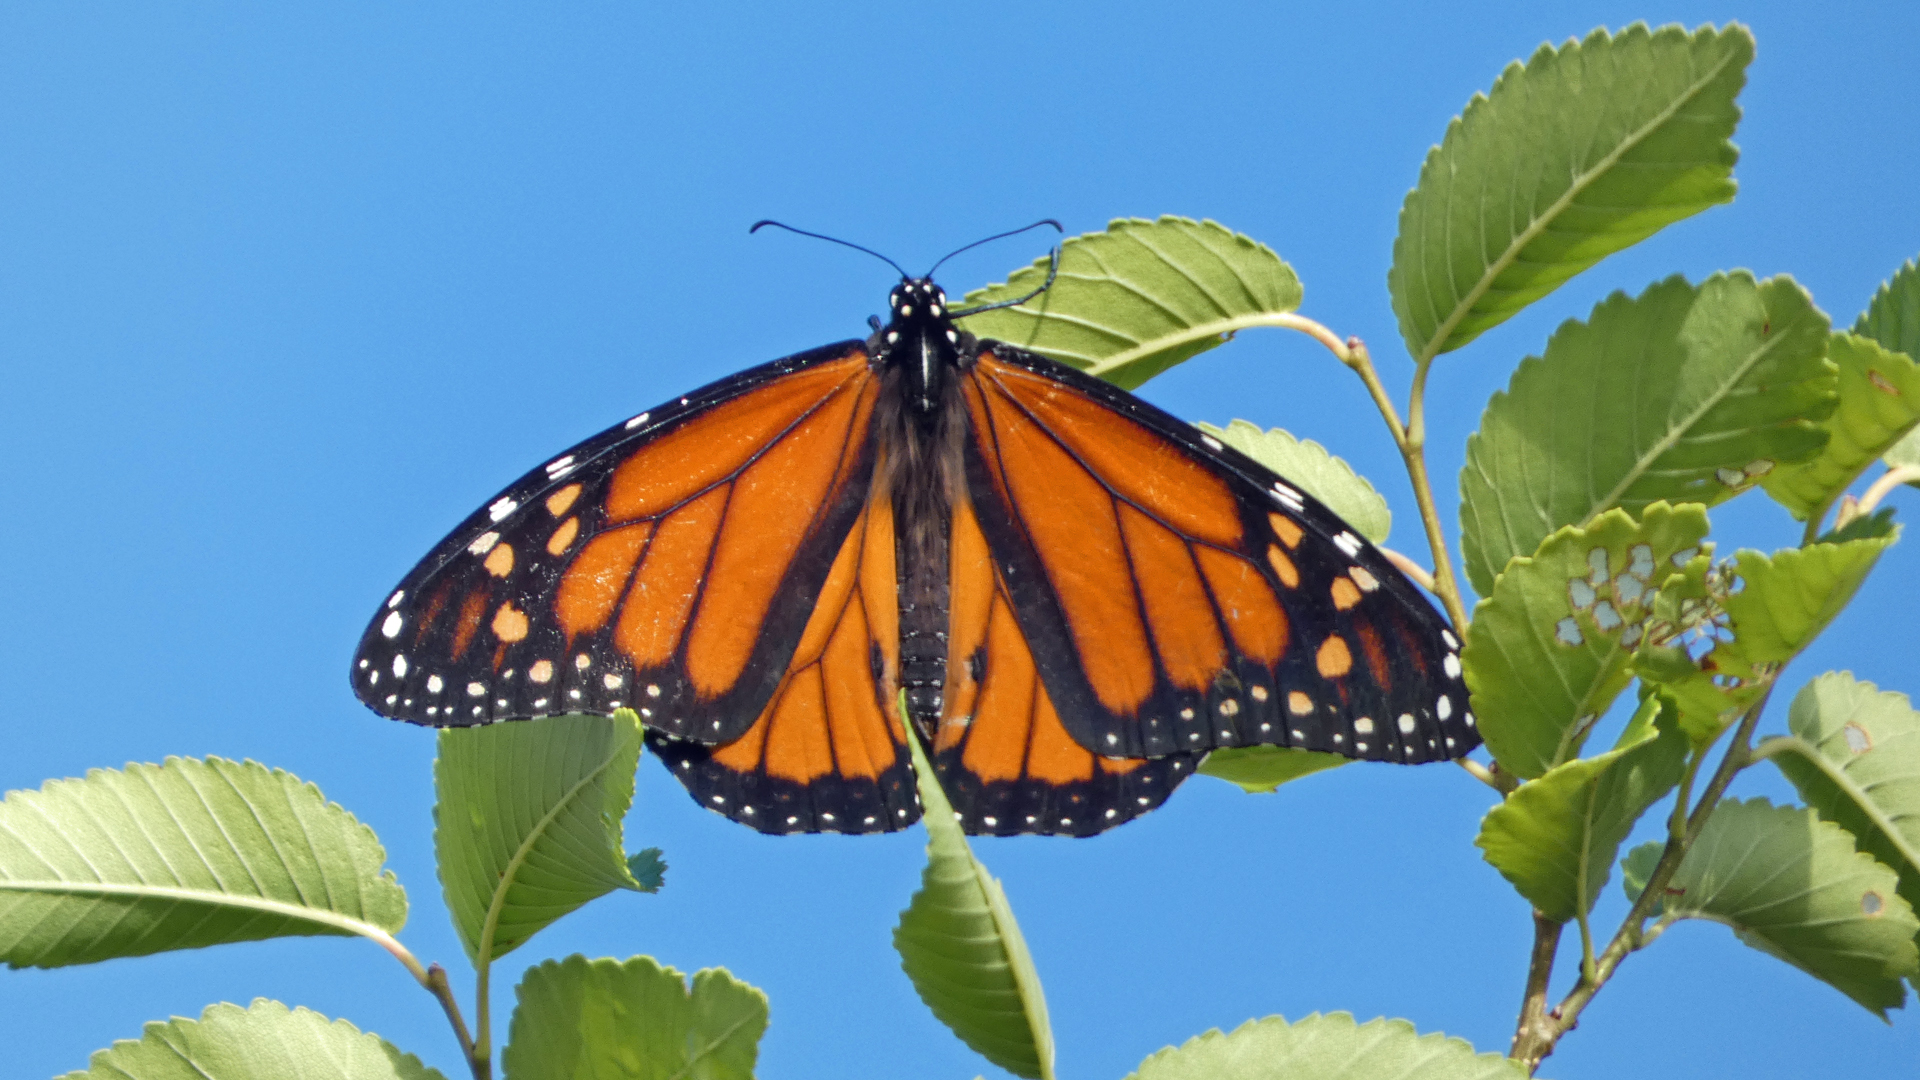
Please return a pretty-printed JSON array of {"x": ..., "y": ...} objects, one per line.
[
  {"x": 1004, "y": 758},
  {"x": 828, "y": 752},
  {"x": 1181, "y": 597},
  {"x": 669, "y": 564}
]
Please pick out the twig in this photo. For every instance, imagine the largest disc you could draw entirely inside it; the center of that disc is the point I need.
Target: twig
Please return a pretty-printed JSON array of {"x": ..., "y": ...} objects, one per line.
[
  {"x": 1532, "y": 1043},
  {"x": 434, "y": 980},
  {"x": 1533, "y": 1005}
]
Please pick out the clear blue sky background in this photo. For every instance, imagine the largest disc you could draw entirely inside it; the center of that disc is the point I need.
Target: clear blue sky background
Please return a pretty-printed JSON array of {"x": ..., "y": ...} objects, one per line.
[{"x": 284, "y": 295}]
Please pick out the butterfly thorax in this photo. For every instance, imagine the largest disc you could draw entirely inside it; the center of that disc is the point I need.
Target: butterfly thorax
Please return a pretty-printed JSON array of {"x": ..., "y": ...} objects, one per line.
[
  {"x": 922, "y": 421},
  {"x": 922, "y": 342}
]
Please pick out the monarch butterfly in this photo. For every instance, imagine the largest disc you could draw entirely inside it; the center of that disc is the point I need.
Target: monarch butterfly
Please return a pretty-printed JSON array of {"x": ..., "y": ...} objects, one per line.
[{"x": 1079, "y": 595}]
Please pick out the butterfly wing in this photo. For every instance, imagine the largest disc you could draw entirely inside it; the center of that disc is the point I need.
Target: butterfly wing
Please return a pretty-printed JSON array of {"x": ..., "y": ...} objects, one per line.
[
  {"x": 1004, "y": 758},
  {"x": 669, "y": 564},
  {"x": 1181, "y": 597},
  {"x": 828, "y": 753}
]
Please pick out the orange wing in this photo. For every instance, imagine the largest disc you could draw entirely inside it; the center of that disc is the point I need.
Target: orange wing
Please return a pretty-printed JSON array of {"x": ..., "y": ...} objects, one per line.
[
  {"x": 1180, "y": 597},
  {"x": 669, "y": 564},
  {"x": 1002, "y": 753},
  {"x": 828, "y": 753}
]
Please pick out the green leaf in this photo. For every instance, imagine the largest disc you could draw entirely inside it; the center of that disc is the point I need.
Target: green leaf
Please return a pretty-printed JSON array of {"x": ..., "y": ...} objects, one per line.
[
  {"x": 648, "y": 868},
  {"x": 1793, "y": 887},
  {"x": 1133, "y": 301},
  {"x": 527, "y": 827},
  {"x": 1879, "y": 404},
  {"x": 1330, "y": 1047},
  {"x": 1893, "y": 316},
  {"x": 1854, "y": 755},
  {"x": 1684, "y": 393},
  {"x": 1260, "y": 769},
  {"x": 1782, "y": 603},
  {"x": 580, "y": 1019},
  {"x": 265, "y": 1041},
  {"x": 1588, "y": 149},
  {"x": 182, "y": 855},
  {"x": 960, "y": 946},
  {"x": 1555, "y": 838},
  {"x": 1548, "y": 652},
  {"x": 1314, "y": 470}
]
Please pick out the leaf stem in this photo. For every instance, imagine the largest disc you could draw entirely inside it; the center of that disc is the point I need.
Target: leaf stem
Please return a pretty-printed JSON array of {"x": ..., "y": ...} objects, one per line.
[
  {"x": 1884, "y": 484},
  {"x": 1532, "y": 1043}
]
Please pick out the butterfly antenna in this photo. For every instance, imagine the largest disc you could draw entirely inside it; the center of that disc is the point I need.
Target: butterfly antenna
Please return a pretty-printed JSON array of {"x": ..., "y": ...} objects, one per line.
[
  {"x": 1053, "y": 268},
  {"x": 996, "y": 236},
  {"x": 834, "y": 240}
]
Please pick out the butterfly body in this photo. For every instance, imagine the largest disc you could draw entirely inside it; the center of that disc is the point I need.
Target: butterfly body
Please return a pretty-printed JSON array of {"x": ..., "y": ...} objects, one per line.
[{"x": 1079, "y": 595}]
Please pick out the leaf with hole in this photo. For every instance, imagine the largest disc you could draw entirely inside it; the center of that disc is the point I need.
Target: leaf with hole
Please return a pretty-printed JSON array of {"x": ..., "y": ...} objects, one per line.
[
  {"x": 1586, "y": 149},
  {"x": 1792, "y": 886},
  {"x": 527, "y": 826},
  {"x": 1879, "y": 404},
  {"x": 1313, "y": 469},
  {"x": 580, "y": 1019},
  {"x": 1549, "y": 651},
  {"x": 1329, "y": 1047},
  {"x": 1854, "y": 755},
  {"x": 963, "y": 951},
  {"x": 265, "y": 1041},
  {"x": 1781, "y": 604},
  {"x": 182, "y": 855},
  {"x": 1555, "y": 838},
  {"x": 1131, "y": 302},
  {"x": 1684, "y": 394}
]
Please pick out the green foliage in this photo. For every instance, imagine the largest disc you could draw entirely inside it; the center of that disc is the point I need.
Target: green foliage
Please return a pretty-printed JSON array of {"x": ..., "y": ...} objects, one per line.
[
  {"x": 964, "y": 953},
  {"x": 1854, "y": 755},
  {"x": 1259, "y": 770},
  {"x": 1330, "y": 1047},
  {"x": 1587, "y": 149},
  {"x": 1892, "y": 318},
  {"x": 1548, "y": 652},
  {"x": 1555, "y": 838},
  {"x": 182, "y": 855},
  {"x": 265, "y": 1041},
  {"x": 1879, "y": 404},
  {"x": 1313, "y": 469},
  {"x": 1141, "y": 297},
  {"x": 1792, "y": 886},
  {"x": 1684, "y": 393},
  {"x": 527, "y": 827},
  {"x": 580, "y": 1019}
]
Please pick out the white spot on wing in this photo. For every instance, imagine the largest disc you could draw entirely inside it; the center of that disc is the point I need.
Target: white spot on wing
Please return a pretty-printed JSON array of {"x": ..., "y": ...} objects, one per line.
[
  {"x": 637, "y": 421},
  {"x": 394, "y": 600},
  {"x": 391, "y": 628},
  {"x": 483, "y": 543},
  {"x": 400, "y": 666},
  {"x": 1348, "y": 543},
  {"x": 501, "y": 509}
]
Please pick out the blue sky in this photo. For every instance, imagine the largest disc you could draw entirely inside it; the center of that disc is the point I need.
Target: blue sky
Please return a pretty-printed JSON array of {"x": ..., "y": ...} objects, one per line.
[{"x": 285, "y": 294}]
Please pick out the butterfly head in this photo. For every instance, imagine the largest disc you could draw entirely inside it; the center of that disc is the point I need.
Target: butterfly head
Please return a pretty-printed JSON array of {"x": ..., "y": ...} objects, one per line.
[{"x": 921, "y": 338}]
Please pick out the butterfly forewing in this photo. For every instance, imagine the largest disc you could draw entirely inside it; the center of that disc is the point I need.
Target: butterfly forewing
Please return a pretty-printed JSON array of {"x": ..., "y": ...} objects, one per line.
[
  {"x": 669, "y": 564},
  {"x": 1180, "y": 597}
]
